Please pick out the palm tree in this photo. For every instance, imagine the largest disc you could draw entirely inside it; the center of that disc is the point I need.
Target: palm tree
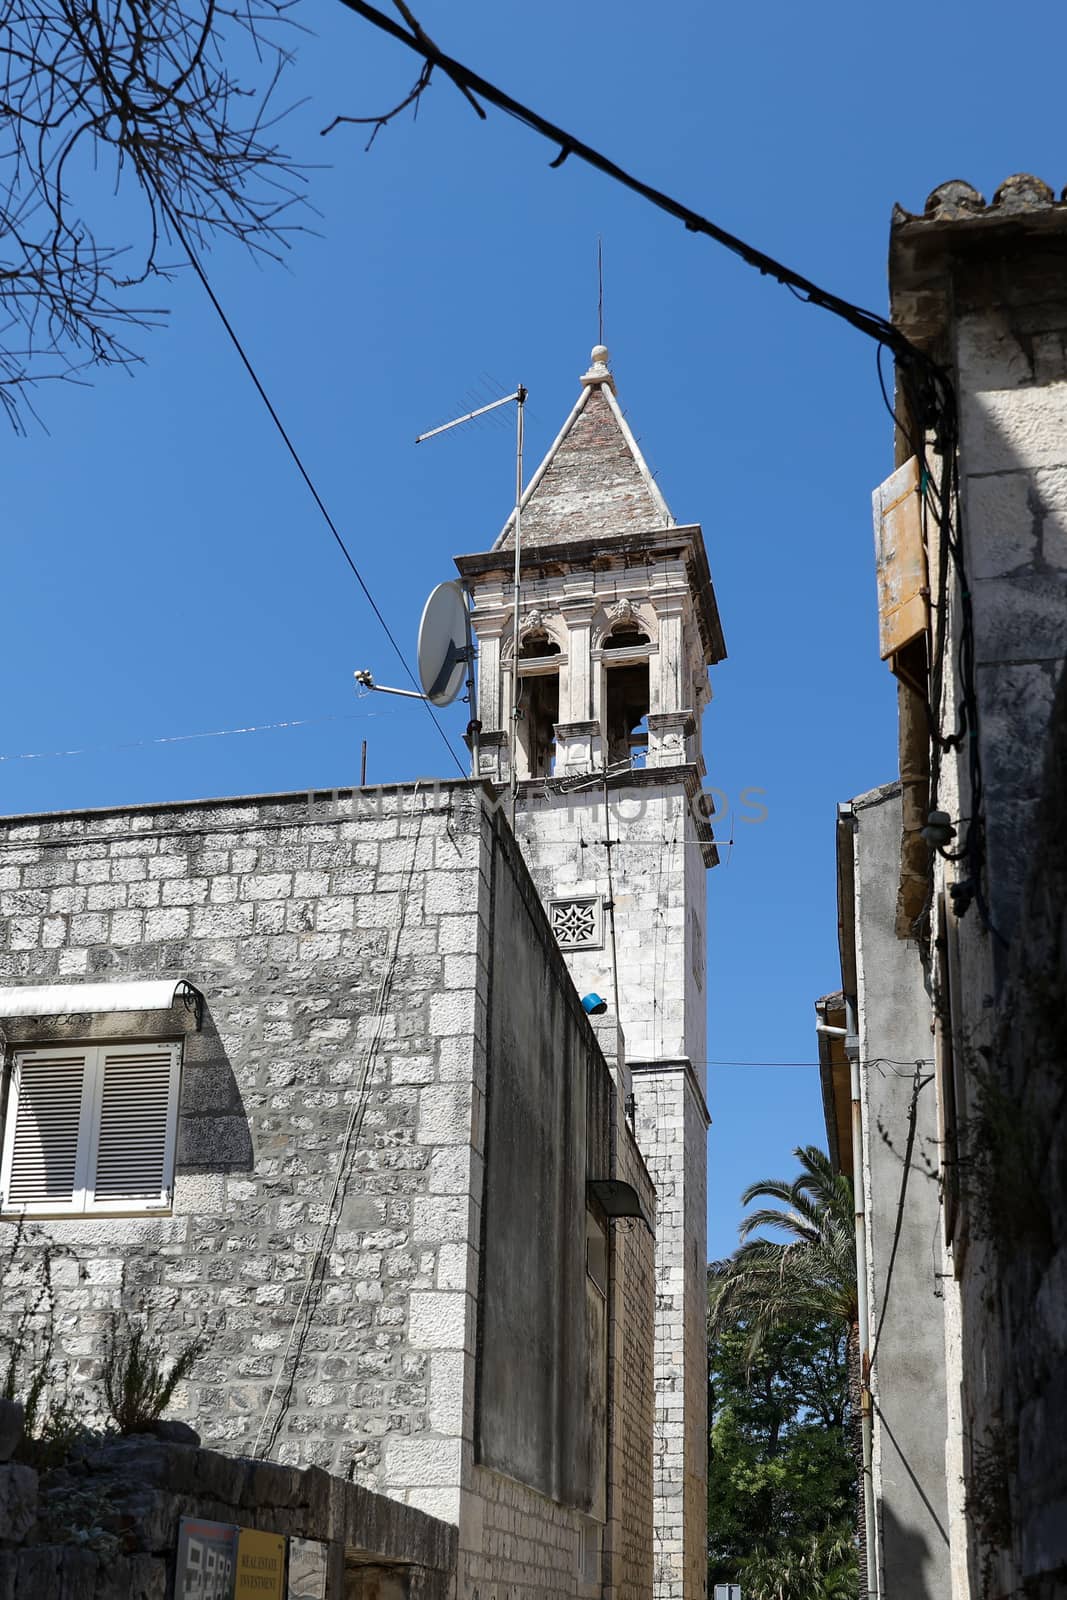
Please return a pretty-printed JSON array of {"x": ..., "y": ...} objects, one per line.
[
  {"x": 808, "y": 1275},
  {"x": 823, "y": 1568}
]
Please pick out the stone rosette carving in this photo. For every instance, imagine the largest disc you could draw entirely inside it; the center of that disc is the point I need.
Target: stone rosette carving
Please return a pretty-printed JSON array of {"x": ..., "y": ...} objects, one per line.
[{"x": 576, "y": 922}]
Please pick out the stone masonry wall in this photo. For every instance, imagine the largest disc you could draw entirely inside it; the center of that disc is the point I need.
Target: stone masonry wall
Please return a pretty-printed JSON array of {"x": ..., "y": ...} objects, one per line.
[
  {"x": 671, "y": 1131},
  {"x": 105, "y": 1525},
  {"x": 514, "y": 1542},
  {"x": 289, "y": 919},
  {"x": 660, "y": 899},
  {"x": 696, "y": 1344},
  {"x": 629, "y": 1568}
]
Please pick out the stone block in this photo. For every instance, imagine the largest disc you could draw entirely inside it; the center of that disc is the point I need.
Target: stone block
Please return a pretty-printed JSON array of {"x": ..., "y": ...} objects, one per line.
[
  {"x": 448, "y": 1370},
  {"x": 437, "y": 1320},
  {"x": 444, "y": 1114},
  {"x": 1005, "y": 429},
  {"x": 172, "y": 922},
  {"x": 422, "y": 1462},
  {"x": 214, "y": 1142},
  {"x": 441, "y": 1219},
  {"x": 18, "y": 1500},
  {"x": 452, "y": 1012},
  {"x": 267, "y": 886},
  {"x": 1015, "y": 703},
  {"x": 222, "y": 922},
  {"x": 12, "y": 1417},
  {"x": 185, "y": 892},
  {"x": 1020, "y": 617}
]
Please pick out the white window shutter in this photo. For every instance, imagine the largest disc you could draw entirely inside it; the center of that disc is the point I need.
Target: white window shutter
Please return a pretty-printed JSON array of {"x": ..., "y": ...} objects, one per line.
[
  {"x": 132, "y": 1154},
  {"x": 44, "y": 1142}
]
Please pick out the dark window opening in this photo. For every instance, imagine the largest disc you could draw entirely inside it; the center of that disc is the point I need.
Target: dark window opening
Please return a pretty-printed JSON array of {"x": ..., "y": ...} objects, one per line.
[
  {"x": 626, "y": 638},
  {"x": 537, "y": 645},
  {"x": 539, "y": 707},
  {"x": 627, "y": 712}
]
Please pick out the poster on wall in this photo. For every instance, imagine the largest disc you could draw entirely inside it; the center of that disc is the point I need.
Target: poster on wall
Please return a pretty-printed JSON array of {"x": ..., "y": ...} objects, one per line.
[
  {"x": 307, "y": 1570},
  {"x": 260, "y": 1572},
  {"x": 207, "y": 1560}
]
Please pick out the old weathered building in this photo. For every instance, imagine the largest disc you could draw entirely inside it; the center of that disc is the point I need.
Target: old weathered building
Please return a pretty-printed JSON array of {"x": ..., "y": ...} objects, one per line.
[
  {"x": 314, "y": 1075},
  {"x": 972, "y": 537},
  {"x": 618, "y": 625}
]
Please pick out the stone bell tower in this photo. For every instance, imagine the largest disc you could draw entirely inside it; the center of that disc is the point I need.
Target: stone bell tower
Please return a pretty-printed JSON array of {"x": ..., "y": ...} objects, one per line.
[{"x": 618, "y": 625}]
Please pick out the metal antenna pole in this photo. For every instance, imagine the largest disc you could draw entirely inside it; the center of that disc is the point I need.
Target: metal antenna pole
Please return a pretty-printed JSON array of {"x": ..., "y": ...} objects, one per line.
[
  {"x": 520, "y": 396},
  {"x": 474, "y": 727}
]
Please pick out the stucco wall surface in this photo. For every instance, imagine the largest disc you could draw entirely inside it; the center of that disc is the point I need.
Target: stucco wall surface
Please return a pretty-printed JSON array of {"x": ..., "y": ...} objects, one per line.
[
  {"x": 540, "y": 1395},
  {"x": 898, "y": 1101},
  {"x": 1027, "y": 1179},
  {"x": 1012, "y": 370}
]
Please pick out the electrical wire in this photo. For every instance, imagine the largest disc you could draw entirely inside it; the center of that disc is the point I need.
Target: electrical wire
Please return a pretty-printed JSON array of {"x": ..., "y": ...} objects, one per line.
[
  {"x": 184, "y": 738},
  {"x": 867, "y": 322},
  {"x": 928, "y": 386},
  {"x": 919, "y": 1083},
  {"x": 195, "y": 263}
]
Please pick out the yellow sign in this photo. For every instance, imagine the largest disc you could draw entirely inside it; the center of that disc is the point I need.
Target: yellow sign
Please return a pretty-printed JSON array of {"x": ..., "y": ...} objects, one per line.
[{"x": 260, "y": 1571}]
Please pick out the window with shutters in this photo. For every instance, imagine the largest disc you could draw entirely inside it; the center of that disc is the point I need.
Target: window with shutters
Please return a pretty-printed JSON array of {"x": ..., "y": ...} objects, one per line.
[{"x": 91, "y": 1128}]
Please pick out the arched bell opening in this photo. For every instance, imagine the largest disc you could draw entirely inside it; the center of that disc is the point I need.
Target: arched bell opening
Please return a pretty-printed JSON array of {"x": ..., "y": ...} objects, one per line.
[
  {"x": 626, "y": 698},
  {"x": 538, "y": 703},
  {"x": 626, "y": 636}
]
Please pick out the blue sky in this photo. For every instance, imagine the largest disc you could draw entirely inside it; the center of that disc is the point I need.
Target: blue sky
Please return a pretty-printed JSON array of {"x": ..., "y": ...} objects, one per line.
[{"x": 166, "y": 572}]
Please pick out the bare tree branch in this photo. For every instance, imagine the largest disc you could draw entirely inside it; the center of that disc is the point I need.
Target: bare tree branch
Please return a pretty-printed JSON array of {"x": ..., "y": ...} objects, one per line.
[
  {"x": 421, "y": 82},
  {"x": 137, "y": 100}
]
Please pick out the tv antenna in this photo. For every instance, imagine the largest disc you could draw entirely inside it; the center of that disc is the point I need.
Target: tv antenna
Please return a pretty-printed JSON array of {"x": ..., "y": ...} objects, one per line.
[
  {"x": 445, "y": 643},
  {"x": 519, "y": 397}
]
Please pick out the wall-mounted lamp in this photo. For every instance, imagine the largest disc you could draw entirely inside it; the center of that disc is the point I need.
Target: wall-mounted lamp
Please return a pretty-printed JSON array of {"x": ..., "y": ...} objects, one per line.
[{"x": 617, "y": 1199}]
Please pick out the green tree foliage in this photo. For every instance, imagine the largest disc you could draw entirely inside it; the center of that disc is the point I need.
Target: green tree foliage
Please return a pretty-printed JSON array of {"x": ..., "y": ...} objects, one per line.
[
  {"x": 782, "y": 1472},
  {"x": 809, "y": 1275},
  {"x": 781, "y": 1479}
]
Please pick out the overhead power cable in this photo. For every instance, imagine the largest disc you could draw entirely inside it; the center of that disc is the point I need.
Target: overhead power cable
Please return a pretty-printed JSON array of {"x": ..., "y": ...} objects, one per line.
[
  {"x": 194, "y": 261},
  {"x": 927, "y": 385},
  {"x": 471, "y": 83}
]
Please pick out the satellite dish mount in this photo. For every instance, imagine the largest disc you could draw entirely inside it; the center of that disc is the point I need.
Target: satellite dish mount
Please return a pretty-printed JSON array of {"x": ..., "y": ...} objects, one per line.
[{"x": 445, "y": 656}]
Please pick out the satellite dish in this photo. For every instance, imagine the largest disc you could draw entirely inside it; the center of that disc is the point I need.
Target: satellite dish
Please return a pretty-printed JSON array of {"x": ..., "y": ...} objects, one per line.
[{"x": 444, "y": 644}]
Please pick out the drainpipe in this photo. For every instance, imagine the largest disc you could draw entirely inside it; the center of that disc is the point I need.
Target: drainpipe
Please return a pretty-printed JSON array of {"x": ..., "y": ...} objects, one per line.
[{"x": 852, "y": 1051}]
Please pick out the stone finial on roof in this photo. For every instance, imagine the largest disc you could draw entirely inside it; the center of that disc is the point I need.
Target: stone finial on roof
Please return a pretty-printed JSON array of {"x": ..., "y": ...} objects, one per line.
[
  {"x": 1022, "y": 192},
  {"x": 957, "y": 200},
  {"x": 953, "y": 199},
  {"x": 599, "y": 372}
]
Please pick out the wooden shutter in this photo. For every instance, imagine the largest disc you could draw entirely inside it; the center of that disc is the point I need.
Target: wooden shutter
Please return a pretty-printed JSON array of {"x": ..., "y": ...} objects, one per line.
[
  {"x": 132, "y": 1160},
  {"x": 44, "y": 1139},
  {"x": 903, "y": 590}
]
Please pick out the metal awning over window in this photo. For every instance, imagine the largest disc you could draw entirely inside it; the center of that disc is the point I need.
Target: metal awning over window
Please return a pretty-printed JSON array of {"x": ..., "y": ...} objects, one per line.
[{"x": 66, "y": 999}]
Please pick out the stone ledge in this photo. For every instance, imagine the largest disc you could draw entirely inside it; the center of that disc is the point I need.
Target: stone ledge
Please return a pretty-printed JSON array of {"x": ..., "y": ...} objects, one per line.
[{"x": 149, "y": 1485}]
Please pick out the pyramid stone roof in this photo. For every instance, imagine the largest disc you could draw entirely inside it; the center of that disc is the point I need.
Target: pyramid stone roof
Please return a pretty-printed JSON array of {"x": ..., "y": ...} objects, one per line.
[{"x": 594, "y": 483}]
